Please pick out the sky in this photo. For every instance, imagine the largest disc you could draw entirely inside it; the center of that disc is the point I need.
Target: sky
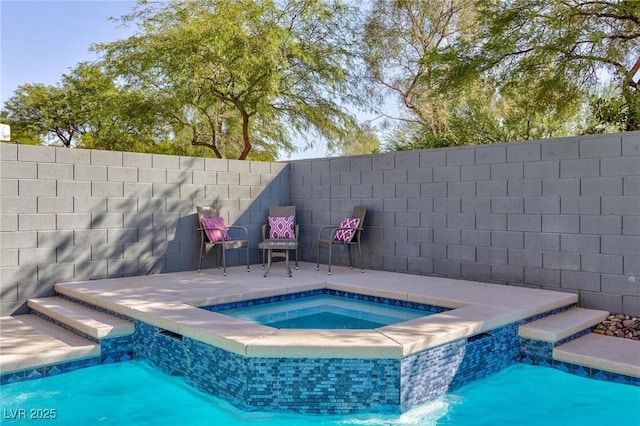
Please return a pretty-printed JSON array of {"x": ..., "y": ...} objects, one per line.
[{"x": 40, "y": 40}]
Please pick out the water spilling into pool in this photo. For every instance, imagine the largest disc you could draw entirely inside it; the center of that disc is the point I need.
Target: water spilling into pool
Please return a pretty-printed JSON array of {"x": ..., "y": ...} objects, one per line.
[{"x": 133, "y": 393}]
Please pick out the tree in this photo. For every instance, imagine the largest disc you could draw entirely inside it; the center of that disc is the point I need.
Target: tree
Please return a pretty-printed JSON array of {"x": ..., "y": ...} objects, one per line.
[
  {"x": 113, "y": 118},
  {"x": 414, "y": 136},
  {"x": 484, "y": 72},
  {"x": 85, "y": 109},
  {"x": 610, "y": 112},
  {"x": 362, "y": 140},
  {"x": 400, "y": 37},
  {"x": 21, "y": 135},
  {"x": 44, "y": 111},
  {"x": 237, "y": 76},
  {"x": 419, "y": 50},
  {"x": 556, "y": 51}
]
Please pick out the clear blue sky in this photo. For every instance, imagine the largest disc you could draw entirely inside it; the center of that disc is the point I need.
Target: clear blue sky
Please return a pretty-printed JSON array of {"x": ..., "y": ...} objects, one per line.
[{"x": 41, "y": 40}]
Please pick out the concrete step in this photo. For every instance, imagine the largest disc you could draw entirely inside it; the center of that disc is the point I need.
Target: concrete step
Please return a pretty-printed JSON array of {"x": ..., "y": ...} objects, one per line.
[
  {"x": 555, "y": 328},
  {"x": 79, "y": 317},
  {"x": 29, "y": 341},
  {"x": 605, "y": 353}
]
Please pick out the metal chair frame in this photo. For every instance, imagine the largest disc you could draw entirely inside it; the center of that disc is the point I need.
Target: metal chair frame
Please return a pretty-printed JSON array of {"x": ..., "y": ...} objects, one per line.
[
  {"x": 235, "y": 243},
  {"x": 330, "y": 242},
  {"x": 275, "y": 211}
]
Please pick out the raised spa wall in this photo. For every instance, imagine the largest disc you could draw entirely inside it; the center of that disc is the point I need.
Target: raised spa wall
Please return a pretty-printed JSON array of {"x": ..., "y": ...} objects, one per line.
[
  {"x": 330, "y": 385},
  {"x": 321, "y": 384}
]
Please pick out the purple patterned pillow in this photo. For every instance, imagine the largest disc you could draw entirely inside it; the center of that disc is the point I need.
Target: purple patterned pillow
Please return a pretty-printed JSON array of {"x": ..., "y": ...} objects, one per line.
[
  {"x": 218, "y": 234},
  {"x": 281, "y": 227},
  {"x": 346, "y": 233}
]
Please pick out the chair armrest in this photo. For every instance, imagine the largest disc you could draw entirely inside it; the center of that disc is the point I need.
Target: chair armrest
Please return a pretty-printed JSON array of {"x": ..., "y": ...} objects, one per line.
[
  {"x": 241, "y": 228},
  {"x": 331, "y": 235},
  {"x": 334, "y": 231},
  {"x": 264, "y": 231},
  {"x": 203, "y": 229},
  {"x": 203, "y": 233}
]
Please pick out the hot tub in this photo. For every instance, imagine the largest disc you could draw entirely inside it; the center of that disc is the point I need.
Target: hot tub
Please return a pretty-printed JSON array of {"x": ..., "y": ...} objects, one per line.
[{"x": 328, "y": 310}]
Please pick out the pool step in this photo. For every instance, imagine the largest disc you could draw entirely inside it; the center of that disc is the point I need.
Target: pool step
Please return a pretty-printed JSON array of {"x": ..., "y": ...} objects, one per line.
[
  {"x": 29, "y": 341},
  {"x": 90, "y": 322},
  {"x": 606, "y": 353},
  {"x": 555, "y": 328}
]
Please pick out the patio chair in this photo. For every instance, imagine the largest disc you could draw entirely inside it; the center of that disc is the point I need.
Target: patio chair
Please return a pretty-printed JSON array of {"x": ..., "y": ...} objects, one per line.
[
  {"x": 280, "y": 231},
  {"x": 346, "y": 234},
  {"x": 214, "y": 233}
]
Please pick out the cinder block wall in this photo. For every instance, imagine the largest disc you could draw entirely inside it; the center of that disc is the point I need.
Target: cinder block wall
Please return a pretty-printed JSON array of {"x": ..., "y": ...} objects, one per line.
[
  {"x": 71, "y": 214},
  {"x": 560, "y": 214}
]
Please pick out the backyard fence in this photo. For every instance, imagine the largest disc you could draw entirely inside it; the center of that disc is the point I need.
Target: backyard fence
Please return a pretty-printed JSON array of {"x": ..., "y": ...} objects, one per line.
[{"x": 559, "y": 214}]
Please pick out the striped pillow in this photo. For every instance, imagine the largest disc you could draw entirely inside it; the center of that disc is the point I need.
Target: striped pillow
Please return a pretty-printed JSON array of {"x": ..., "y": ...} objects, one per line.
[{"x": 219, "y": 233}]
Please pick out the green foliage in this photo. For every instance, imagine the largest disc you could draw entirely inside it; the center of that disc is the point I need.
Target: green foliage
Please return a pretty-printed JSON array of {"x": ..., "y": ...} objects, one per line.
[
  {"x": 243, "y": 79},
  {"x": 237, "y": 76},
  {"x": 85, "y": 110},
  {"x": 362, "y": 140},
  {"x": 43, "y": 112},
  {"x": 402, "y": 39},
  {"x": 415, "y": 136},
  {"x": 20, "y": 134},
  {"x": 120, "y": 119},
  {"x": 485, "y": 72},
  {"x": 609, "y": 112},
  {"x": 229, "y": 79},
  {"x": 552, "y": 53}
]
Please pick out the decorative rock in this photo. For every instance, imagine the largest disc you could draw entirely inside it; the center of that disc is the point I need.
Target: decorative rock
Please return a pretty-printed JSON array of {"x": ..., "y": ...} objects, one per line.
[{"x": 620, "y": 325}]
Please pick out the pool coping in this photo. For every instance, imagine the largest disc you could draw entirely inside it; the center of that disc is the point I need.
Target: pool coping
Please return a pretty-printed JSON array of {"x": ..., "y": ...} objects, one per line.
[{"x": 179, "y": 309}]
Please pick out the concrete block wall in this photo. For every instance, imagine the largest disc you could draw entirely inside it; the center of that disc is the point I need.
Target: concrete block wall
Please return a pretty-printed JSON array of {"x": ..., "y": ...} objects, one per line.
[
  {"x": 71, "y": 214},
  {"x": 559, "y": 214}
]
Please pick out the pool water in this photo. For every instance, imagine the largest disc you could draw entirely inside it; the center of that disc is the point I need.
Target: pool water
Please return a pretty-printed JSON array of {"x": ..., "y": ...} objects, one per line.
[
  {"x": 133, "y": 393},
  {"x": 325, "y": 312}
]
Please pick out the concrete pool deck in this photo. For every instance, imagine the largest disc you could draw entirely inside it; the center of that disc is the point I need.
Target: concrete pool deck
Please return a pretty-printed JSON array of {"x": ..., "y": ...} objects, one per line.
[{"x": 171, "y": 301}]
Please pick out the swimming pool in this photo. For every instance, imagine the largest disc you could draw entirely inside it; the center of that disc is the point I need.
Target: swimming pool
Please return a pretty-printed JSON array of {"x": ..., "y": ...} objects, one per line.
[
  {"x": 390, "y": 369},
  {"x": 326, "y": 311},
  {"x": 134, "y": 393}
]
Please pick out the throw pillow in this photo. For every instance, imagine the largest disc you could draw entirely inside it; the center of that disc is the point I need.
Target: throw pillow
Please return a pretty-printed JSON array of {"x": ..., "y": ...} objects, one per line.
[
  {"x": 347, "y": 229},
  {"x": 281, "y": 227},
  {"x": 219, "y": 233}
]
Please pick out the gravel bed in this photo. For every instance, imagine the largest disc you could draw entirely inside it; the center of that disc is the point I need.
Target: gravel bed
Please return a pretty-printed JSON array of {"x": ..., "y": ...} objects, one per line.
[{"x": 625, "y": 326}]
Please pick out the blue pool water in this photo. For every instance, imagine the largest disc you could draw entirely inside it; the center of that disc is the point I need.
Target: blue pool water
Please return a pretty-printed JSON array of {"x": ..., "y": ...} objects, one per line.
[
  {"x": 326, "y": 312},
  {"x": 133, "y": 393}
]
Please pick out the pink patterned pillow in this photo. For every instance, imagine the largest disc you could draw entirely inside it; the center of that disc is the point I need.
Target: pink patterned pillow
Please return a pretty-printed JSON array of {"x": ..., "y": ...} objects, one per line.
[
  {"x": 281, "y": 227},
  {"x": 346, "y": 234},
  {"x": 215, "y": 235}
]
